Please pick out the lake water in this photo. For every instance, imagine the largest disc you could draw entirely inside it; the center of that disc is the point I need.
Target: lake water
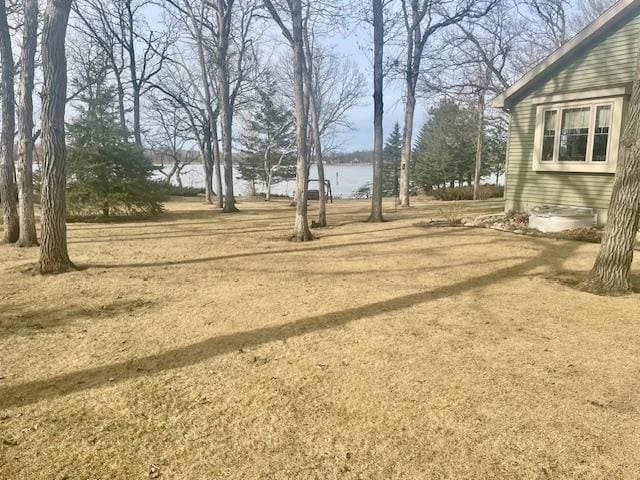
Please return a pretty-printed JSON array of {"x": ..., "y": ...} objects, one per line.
[{"x": 345, "y": 179}]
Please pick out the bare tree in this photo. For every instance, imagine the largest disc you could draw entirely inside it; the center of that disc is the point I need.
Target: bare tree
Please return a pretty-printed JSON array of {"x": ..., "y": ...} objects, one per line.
[
  {"x": 586, "y": 11},
  {"x": 180, "y": 88},
  {"x": 422, "y": 20},
  {"x": 295, "y": 37},
  {"x": 169, "y": 138},
  {"x": 96, "y": 23},
  {"x": 54, "y": 256},
  {"x": 378, "y": 110},
  {"x": 233, "y": 21},
  {"x": 120, "y": 28},
  {"x": 28, "y": 235},
  {"x": 7, "y": 133},
  {"x": 197, "y": 18},
  {"x": 552, "y": 28}
]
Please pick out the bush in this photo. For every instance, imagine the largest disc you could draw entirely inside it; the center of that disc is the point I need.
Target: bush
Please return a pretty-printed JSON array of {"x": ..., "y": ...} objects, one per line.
[
  {"x": 111, "y": 179},
  {"x": 176, "y": 191},
  {"x": 466, "y": 193}
]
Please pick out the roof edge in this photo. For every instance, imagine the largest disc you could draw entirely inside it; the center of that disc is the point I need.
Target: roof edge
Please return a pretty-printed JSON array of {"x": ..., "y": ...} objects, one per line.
[{"x": 588, "y": 33}]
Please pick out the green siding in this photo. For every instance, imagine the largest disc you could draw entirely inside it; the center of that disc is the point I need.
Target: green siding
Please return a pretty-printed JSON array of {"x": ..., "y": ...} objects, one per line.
[{"x": 609, "y": 62}]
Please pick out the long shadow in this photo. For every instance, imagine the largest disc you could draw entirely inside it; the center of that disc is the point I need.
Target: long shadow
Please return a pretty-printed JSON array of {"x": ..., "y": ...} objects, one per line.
[
  {"x": 60, "y": 385},
  {"x": 399, "y": 271},
  {"x": 24, "y": 321},
  {"x": 268, "y": 252},
  {"x": 168, "y": 235}
]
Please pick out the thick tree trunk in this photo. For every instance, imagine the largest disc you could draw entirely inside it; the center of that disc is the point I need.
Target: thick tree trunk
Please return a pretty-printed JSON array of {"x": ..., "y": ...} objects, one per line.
[
  {"x": 378, "y": 111},
  {"x": 301, "y": 232},
  {"x": 610, "y": 274},
  {"x": 7, "y": 167},
  {"x": 54, "y": 257},
  {"x": 28, "y": 236},
  {"x": 223, "y": 15}
]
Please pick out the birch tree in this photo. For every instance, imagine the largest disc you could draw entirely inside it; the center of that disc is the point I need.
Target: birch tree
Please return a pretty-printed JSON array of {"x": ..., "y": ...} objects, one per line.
[
  {"x": 28, "y": 236},
  {"x": 7, "y": 133},
  {"x": 54, "y": 256}
]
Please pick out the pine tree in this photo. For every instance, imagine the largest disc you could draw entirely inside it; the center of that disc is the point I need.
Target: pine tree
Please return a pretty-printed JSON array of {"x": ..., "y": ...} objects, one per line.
[
  {"x": 106, "y": 173},
  {"x": 268, "y": 140},
  {"x": 391, "y": 165},
  {"x": 445, "y": 148}
]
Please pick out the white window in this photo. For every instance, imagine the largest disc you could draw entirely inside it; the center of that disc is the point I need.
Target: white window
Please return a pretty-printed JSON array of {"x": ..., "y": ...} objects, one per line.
[{"x": 578, "y": 136}]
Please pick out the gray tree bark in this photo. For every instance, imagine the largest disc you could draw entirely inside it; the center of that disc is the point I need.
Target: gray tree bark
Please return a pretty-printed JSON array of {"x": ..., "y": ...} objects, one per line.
[
  {"x": 28, "y": 236},
  {"x": 216, "y": 165},
  {"x": 301, "y": 232},
  {"x": 312, "y": 94},
  {"x": 479, "y": 143},
  {"x": 7, "y": 133},
  {"x": 378, "y": 111},
  {"x": 610, "y": 274},
  {"x": 223, "y": 16},
  {"x": 54, "y": 256}
]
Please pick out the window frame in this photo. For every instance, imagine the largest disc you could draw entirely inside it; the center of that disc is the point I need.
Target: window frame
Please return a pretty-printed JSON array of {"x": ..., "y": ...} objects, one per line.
[{"x": 588, "y": 165}]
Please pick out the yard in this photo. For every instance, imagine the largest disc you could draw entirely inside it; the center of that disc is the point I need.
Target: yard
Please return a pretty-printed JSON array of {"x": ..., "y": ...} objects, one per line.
[{"x": 205, "y": 346}]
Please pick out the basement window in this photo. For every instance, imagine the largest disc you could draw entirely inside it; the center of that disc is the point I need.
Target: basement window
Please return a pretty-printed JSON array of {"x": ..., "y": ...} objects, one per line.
[{"x": 578, "y": 136}]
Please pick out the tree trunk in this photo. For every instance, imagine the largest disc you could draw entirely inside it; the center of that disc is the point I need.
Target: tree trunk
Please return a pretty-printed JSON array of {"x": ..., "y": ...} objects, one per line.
[
  {"x": 315, "y": 130},
  {"x": 405, "y": 162},
  {"x": 479, "y": 145},
  {"x": 269, "y": 180},
  {"x": 7, "y": 166},
  {"x": 28, "y": 235},
  {"x": 121, "y": 107},
  {"x": 216, "y": 164},
  {"x": 54, "y": 257},
  {"x": 301, "y": 232},
  {"x": 137, "y": 135},
  {"x": 223, "y": 14},
  {"x": 207, "y": 166},
  {"x": 610, "y": 274},
  {"x": 378, "y": 111}
]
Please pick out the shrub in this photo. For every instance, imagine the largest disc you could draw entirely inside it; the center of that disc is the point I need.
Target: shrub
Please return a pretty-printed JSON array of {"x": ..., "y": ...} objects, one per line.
[
  {"x": 111, "y": 179},
  {"x": 466, "y": 193},
  {"x": 177, "y": 191}
]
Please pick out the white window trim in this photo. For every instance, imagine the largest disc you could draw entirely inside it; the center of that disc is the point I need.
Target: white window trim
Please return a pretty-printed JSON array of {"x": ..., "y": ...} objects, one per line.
[{"x": 587, "y": 166}]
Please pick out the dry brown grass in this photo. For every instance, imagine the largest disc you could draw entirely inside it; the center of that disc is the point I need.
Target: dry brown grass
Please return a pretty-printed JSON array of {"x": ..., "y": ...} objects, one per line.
[{"x": 205, "y": 346}]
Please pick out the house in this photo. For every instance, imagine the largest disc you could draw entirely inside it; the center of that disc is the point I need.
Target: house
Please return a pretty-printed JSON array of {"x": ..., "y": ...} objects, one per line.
[{"x": 567, "y": 115}]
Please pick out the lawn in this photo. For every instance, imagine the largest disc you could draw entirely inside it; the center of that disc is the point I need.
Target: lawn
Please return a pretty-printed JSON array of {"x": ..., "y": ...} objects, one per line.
[{"x": 205, "y": 346}]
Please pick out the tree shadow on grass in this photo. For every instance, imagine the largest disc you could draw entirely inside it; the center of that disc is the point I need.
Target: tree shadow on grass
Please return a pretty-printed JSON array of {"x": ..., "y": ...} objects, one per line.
[
  {"x": 24, "y": 320},
  {"x": 169, "y": 235},
  {"x": 64, "y": 384},
  {"x": 295, "y": 248}
]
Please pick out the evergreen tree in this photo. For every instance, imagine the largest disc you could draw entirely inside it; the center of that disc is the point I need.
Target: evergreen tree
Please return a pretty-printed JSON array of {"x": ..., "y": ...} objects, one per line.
[
  {"x": 445, "y": 147},
  {"x": 268, "y": 140},
  {"x": 106, "y": 174},
  {"x": 391, "y": 166}
]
